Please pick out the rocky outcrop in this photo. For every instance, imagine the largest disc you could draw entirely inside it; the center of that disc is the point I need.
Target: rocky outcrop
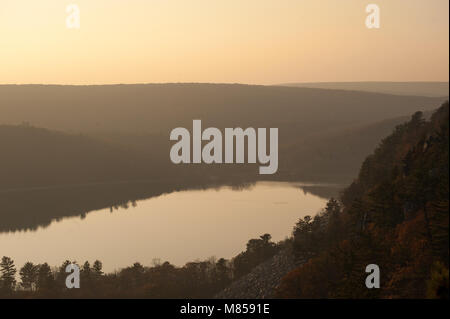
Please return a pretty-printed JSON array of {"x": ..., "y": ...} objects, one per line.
[{"x": 261, "y": 282}]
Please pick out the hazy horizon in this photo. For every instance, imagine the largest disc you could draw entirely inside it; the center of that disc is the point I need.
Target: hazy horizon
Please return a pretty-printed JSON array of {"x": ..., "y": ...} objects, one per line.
[
  {"x": 294, "y": 83},
  {"x": 256, "y": 42}
]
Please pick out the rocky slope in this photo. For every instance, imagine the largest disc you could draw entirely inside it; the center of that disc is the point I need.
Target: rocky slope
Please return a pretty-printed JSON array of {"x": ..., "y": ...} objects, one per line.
[{"x": 263, "y": 279}]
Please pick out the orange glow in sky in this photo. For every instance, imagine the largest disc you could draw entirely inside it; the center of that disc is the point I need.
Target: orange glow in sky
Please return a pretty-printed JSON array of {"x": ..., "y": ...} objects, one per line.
[{"x": 245, "y": 41}]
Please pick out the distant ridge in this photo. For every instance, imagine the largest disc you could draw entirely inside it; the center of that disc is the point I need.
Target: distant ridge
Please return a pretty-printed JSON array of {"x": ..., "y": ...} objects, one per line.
[
  {"x": 431, "y": 89},
  {"x": 158, "y": 108}
]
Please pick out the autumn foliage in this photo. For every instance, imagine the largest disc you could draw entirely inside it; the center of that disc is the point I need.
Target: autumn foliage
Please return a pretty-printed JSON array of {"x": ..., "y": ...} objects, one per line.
[{"x": 395, "y": 215}]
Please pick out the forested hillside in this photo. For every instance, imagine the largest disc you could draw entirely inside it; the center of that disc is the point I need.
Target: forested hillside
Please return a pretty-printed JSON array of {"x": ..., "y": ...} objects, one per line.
[
  {"x": 317, "y": 157},
  {"x": 36, "y": 157},
  {"x": 395, "y": 215}
]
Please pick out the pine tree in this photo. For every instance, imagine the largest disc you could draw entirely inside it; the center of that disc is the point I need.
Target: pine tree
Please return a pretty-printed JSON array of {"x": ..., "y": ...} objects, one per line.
[
  {"x": 8, "y": 272},
  {"x": 28, "y": 275},
  {"x": 45, "y": 280},
  {"x": 97, "y": 268}
]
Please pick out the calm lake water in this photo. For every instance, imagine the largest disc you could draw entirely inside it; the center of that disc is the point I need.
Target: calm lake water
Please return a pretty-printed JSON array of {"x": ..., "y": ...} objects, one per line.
[{"x": 177, "y": 227}]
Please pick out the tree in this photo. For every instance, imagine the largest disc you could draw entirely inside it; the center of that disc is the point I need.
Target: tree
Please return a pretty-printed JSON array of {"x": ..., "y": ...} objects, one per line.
[
  {"x": 86, "y": 270},
  {"x": 97, "y": 268},
  {"x": 28, "y": 275},
  {"x": 258, "y": 250},
  {"x": 302, "y": 235},
  {"x": 8, "y": 272},
  {"x": 45, "y": 280},
  {"x": 132, "y": 277},
  {"x": 222, "y": 273}
]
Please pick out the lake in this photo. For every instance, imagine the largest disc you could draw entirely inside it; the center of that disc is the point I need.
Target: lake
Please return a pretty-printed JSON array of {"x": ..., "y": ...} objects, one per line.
[{"x": 177, "y": 227}]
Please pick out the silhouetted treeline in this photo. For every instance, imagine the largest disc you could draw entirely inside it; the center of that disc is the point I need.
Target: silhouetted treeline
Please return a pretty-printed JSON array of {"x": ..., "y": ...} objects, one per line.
[
  {"x": 395, "y": 215},
  {"x": 198, "y": 279}
]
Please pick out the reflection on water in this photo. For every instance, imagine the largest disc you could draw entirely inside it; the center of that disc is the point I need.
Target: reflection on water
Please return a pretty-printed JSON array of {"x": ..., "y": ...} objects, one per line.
[{"x": 178, "y": 227}]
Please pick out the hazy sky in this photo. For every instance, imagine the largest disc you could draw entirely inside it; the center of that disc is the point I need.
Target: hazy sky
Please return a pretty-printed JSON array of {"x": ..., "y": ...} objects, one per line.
[{"x": 245, "y": 41}]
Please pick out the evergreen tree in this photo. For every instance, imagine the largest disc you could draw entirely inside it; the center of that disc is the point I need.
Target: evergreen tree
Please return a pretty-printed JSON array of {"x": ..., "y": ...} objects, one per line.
[
  {"x": 97, "y": 268},
  {"x": 28, "y": 275},
  {"x": 45, "y": 280},
  {"x": 7, "y": 274}
]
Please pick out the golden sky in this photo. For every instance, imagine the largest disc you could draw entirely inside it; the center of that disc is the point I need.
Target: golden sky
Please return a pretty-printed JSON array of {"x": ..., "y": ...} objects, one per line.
[{"x": 229, "y": 41}]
